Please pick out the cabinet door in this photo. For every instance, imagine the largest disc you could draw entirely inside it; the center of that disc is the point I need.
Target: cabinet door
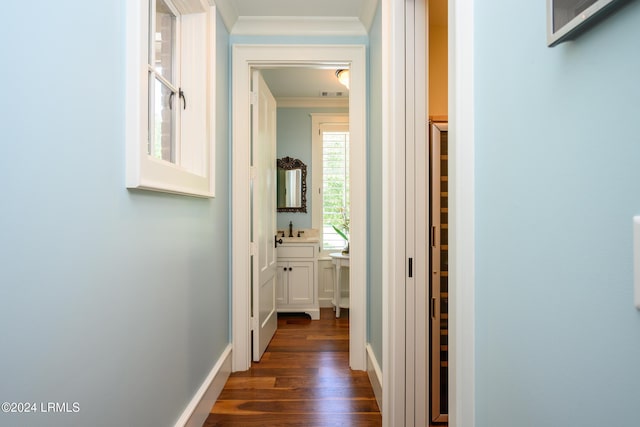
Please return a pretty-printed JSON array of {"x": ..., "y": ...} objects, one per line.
[
  {"x": 300, "y": 282},
  {"x": 281, "y": 283}
]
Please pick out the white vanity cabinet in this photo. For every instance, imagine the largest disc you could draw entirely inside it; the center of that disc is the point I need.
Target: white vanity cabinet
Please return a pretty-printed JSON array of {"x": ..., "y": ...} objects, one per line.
[{"x": 297, "y": 282}]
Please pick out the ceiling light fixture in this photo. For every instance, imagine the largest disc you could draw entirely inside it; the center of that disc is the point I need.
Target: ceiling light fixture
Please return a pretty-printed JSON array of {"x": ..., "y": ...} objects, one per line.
[{"x": 343, "y": 77}]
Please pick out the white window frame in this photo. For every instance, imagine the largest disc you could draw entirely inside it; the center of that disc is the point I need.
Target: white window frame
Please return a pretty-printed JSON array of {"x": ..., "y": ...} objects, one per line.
[
  {"x": 319, "y": 120},
  {"x": 194, "y": 175},
  {"x": 171, "y": 82}
]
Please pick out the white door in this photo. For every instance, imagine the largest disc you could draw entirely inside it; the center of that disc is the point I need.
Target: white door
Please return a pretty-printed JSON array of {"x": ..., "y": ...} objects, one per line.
[{"x": 265, "y": 318}]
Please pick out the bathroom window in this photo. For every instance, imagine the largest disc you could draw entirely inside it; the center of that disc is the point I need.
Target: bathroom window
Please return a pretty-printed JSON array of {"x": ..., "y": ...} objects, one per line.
[
  {"x": 335, "y": 186},
  {"x": 330, "y": 179},
  {"x": 170, "y": 96}
]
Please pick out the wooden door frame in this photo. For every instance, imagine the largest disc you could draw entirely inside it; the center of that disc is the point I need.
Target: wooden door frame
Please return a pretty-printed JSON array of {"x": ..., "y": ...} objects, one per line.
[{"x": 244, "y": 58}]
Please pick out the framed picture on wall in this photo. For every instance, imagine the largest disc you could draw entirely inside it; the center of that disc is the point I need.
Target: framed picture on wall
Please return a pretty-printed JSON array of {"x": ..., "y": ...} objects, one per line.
[{"x": 567, "y": 18}]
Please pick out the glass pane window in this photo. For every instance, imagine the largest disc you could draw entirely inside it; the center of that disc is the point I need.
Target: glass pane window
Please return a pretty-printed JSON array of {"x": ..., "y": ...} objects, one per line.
[
  {"x": 335, "y": 189},
  {"x": 162, "y": 145},
  {"x": 163, "y": 37},
  {"x": 163, "y": 85}
]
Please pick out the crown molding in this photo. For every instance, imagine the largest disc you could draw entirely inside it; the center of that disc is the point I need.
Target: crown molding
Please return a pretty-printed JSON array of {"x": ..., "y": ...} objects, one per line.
[
  {"x": 368, "y": 13},
  {"x": 298, "y": 26},
  {"x": 312, "y": 102},
  {"x": 227, "y": 12}
]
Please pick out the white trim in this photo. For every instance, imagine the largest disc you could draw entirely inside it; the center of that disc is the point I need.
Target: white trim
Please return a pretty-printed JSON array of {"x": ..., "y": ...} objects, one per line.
[
  {"x": 244, "y": 58},
  {"x": 198, "y": 409},
  {"x": 418, "y": 182},
  {"x": 393, "y": 213},
  {"x": 298, "y": 26},
  {"x": 461, "y": 223},
  {"x": 375, "y": 374},
  {"x": 317, "y": 102}
]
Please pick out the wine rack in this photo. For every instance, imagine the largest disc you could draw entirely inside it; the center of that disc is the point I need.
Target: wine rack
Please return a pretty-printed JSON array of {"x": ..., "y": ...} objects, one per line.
[{"x": 439, "y": 278}]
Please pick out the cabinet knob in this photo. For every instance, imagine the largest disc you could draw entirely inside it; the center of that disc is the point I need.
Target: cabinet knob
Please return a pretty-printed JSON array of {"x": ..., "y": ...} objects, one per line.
[{"x": 290, "y": 268}]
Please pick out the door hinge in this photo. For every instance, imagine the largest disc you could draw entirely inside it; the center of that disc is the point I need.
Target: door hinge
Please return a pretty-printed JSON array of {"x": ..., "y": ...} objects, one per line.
[
  {"x": 252, "y": 248},
  {"x": 254, "y": 324},
  {"x": 254, "y": 98},
  {"x": 252, "y": 172}
]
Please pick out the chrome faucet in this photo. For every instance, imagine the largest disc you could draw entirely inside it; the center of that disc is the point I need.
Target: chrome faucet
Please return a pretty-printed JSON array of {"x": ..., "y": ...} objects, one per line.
[{"x": 290, "y": 228}]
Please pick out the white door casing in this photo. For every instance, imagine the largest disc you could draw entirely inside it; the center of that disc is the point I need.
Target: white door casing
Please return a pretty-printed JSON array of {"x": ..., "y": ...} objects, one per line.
[
  {"x": 245, "y": 58},
  {"x": 265, "y": 258},
  {"x": 461, "y": 220}
]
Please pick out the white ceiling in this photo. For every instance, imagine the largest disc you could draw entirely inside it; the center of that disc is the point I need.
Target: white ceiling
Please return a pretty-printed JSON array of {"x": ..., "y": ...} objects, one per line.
[{"x": 303, "y": 83}]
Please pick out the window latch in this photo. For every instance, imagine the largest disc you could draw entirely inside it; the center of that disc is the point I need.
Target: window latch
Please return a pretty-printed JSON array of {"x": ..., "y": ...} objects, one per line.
[
  {"x": 184, "y": 99},
  {"x": 181, "y": 96}
]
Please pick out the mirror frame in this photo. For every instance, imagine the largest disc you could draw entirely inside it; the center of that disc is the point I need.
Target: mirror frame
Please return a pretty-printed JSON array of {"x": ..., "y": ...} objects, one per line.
[{"x": 289, "y": 163}]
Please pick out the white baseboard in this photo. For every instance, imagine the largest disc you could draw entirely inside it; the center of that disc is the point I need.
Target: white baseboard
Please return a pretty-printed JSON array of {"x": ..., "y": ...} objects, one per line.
[
  {"x": 375, "y": 375},
  {"x": 198, "y": 409}
]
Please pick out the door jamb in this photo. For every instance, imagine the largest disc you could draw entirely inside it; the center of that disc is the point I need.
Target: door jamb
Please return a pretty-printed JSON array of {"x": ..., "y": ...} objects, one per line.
[
  {"x": 462, "y": 396},
  {"x": 244, "y": 58}
]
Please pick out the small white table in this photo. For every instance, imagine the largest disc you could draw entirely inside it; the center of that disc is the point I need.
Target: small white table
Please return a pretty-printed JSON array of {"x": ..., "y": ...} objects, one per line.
[{"x": 339, "y": 260}]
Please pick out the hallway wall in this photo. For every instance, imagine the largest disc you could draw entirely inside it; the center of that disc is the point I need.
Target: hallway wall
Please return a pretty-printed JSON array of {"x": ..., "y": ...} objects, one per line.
[
  {"x": 557, "y": 184},
  {"x": 115, "y": 299}
]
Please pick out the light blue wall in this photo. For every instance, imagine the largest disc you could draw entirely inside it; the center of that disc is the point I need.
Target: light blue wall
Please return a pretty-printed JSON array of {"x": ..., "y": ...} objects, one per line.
[
  {"x": 374, "y": 188},
  {"x": 294, "y": 140},
  {"x": 557, "y": 184},
  {"x": 114, "y": 299}
]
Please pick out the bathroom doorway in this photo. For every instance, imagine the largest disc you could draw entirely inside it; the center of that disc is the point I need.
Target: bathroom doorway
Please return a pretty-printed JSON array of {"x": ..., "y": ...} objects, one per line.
[{"x": 246, "y": 59}]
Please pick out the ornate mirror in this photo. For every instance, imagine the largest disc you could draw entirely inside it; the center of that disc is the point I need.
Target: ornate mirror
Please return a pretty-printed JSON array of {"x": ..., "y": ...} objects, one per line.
[{"x": 292, "y": 185}]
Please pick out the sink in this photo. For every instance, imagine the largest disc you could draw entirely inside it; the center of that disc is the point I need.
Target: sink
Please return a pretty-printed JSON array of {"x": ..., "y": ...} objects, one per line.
[
  {"x": 301, "y": 239},
  {"x": 309, "y": 235}
]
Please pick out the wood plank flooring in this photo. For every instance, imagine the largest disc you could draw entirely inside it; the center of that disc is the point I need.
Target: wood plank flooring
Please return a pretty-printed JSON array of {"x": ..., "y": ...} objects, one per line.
[{"x": 303, "y": 379}]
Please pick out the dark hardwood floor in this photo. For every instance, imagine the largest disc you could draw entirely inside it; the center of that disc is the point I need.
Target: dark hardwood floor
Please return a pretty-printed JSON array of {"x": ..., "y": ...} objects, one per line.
[{"x": 303, "y": 379}]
